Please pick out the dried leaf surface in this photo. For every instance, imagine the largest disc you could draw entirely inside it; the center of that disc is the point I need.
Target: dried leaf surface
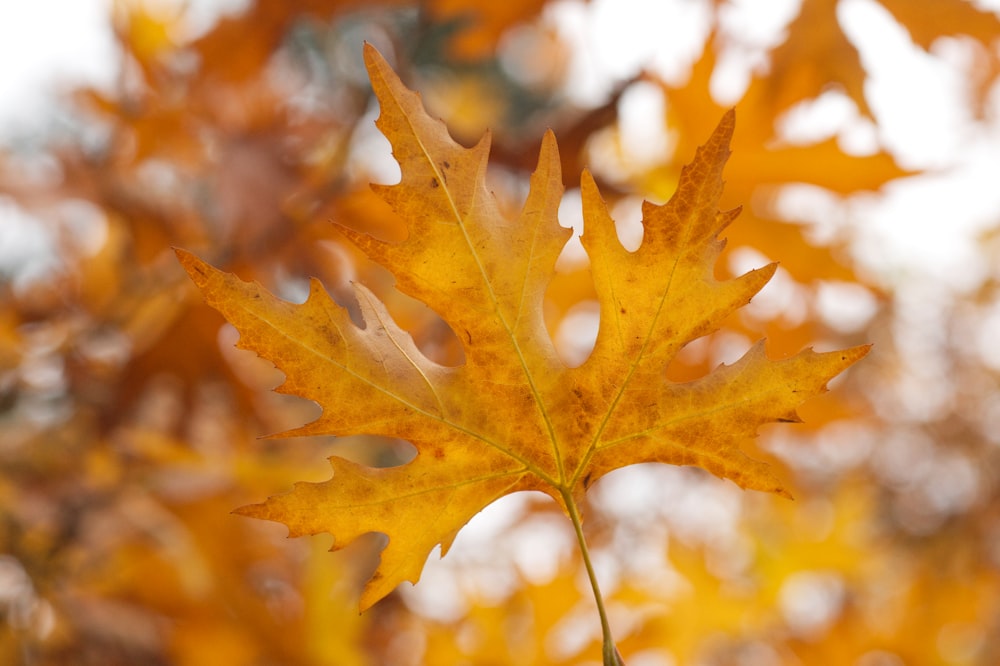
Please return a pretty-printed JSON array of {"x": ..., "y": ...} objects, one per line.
[{"x": 513, "y": 416}]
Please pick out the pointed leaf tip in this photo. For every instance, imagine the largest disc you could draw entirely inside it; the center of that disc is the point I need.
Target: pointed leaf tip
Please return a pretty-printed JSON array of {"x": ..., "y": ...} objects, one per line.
[
  {"x": 372, "y": 55},
  {"x": 199, "y": 271}
]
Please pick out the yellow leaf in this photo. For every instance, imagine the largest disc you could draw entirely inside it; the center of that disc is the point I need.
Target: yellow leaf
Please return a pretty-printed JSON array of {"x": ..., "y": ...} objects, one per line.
[{"x": 513, "y": 416}]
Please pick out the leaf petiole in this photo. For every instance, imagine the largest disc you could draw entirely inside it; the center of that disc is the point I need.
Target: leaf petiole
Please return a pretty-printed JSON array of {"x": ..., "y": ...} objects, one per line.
[{"x": 609, "y": 650}]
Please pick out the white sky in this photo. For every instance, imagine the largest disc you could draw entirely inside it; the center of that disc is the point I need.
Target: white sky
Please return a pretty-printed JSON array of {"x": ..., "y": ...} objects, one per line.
[{"x": 45, "y": 44}]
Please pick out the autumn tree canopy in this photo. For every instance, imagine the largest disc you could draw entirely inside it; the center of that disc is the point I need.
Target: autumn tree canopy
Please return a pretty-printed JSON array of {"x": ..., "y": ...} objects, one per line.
[{"x": 131, "y": 427}]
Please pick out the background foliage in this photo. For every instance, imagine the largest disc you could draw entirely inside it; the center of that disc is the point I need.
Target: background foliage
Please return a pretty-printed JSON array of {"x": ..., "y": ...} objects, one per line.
[{"x": 129, "y": 425}]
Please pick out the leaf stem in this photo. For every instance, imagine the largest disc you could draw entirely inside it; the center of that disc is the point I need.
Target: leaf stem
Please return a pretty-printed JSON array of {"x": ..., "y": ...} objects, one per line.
[{"x": 609, "y": 651}]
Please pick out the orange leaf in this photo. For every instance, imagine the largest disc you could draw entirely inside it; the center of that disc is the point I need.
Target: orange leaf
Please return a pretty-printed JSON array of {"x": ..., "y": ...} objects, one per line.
[
  {"x": 928, "y": 20},
  {"x": 513, "y": 416}
]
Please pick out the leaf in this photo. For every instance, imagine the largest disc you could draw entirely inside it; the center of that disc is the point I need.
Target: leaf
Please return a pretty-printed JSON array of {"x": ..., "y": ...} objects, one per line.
[
  {"x": 513, "y": 417},
  {"x": 761, "y": 160},
  {"x": 929, "y": 20},
  {"x": 815, "y": 54},
  {"x": 818, "y": 53}
]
